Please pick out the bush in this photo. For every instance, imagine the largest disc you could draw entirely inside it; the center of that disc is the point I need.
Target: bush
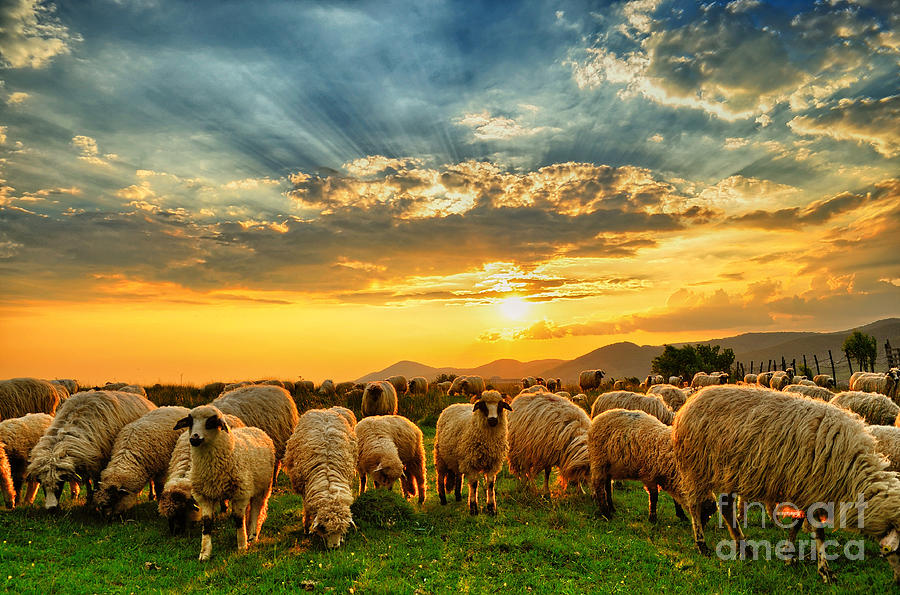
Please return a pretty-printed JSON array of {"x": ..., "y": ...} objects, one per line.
[{"x": 381, "y": 508}]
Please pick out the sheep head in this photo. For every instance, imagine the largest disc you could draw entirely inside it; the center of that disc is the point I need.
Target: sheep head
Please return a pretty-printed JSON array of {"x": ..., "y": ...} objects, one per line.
[
  {"x": 387, "y": 472},
  {"x": 112, "y": 499},
  {"x": 205, "y": 424},
  {"x": 491, "y": 405},
  {"x": 331, "y": 523}
]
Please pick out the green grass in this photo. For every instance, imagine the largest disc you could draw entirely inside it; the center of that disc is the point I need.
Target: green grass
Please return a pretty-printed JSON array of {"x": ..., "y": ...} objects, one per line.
[{"x": 536, "y": 544}]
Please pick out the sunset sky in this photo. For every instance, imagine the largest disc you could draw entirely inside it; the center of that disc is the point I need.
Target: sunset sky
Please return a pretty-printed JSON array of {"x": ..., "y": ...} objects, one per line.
[{"x": 208, "y": 190}]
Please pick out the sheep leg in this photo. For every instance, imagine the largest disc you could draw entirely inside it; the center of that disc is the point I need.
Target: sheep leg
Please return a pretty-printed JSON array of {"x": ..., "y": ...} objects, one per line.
[
  {"x": 653, "y": 494},
  {"x": 491, "y": 496},
  {"x": 821, "y": 557},
  {"x": 31, "y": 492},
  {"x": 362, "y": 483},
  {"x": 609, "y": 500},
  {"x": 275, "y": 472},
  {"x": 206, "y": 521},
  {"x": 679, "y": 512},
  {"x": 734, "y": 527},
  {"x": 599, "y": 486},
  {"x": 420, "y": 487},
  {"x": 457, "y": 487},
  {"x": 441, "y": 486},
  {"x": 547, "y": 479},
  {"x": 473, "y": 495},
  {"x": 256, "y": 505},
  {"x": 694, "y": 508},
  {"x": 789, "y": 552},
  {"x": 239, "y": 516}
]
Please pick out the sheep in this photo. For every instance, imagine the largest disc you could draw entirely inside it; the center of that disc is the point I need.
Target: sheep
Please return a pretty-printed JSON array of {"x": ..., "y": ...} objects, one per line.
[
  {"x": 620, "y": 385},
  {"x": 590, "y": 379},
  {"x": 19, "y": 396},
  {"x": 269, "y": 408},
  {"x": 229, "y": 464},
  {"x": 676, "y": 381},
  {"x": 418, "y": 385},
  {"x": 563, "y": 393},
  {"x": 326, "y": 388},
  {"x": 628, "y": 444},
  {"x": 321, "y": 461},
  {"x": 537, "y": 388},
  {"x": 813, "y": 392},
  {"x": 17, "y": 437},
  {"x": 390, "y": 447},
  {"x": 133, "y": 388},
  {"x": 304, "y": 387},
  {"x": 763, "y": 378},
  {"x": 61, "y": 389},
  {"x": 824, "y": 381},
  {"x": 702, "y": 379},
  {"x": 270, "y": 382},
  {"x": 444, "y": 387},
  {"x": 471, "y": 440},
  {"x": 803, "y": 381},
  {"x": 213, "y": 389},
  {"x": 651, "y": 380},
  {"x": 469, "y": 386},
  {"x": 342, "y": 388},
  {"x": 547, "y": 431},
  {"x": 672, "y": 396},
  {"x": 876, "y": 409},
  {"x": 176, "y": 503},
  {"x": 70, "y": 385},
  {"x": 552, "y": 385},
  {"x": 887, "y": 442},
  {"x": 582, "y": 401},
  {"x": 770, "y": 446},
  {"x": 779, "y": 380},
  {"x": 635, "y": 401},
  {"x": 235, "y": 385},
  {"x": 528, "y": 381},
  {"x": 379, "y": 398},
  {"x": 400, "y": 384},
  {"x": 750, "y": 378},
  {"x": 140, "y": 454},
  {"x": 885, "y": 384},
  {"x": 78, "y": 443}
]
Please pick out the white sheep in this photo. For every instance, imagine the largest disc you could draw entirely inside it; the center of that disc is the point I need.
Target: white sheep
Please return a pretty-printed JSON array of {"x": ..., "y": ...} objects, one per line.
[
  {"x": 651, "y": 380},
  {"x": 418, "y": 385},
  {"x": 17, "y": 437},
  {"x": 589, "y": 379},
  {"x": 133, "y": 388},
  {"x": 814, "y": 392},
  {"x": 672, "y": 396},
  {"x": 400, "y": 384},
  {"x": 471, "y": 440},
  {"x": 824, "y": 381},
  {"x": 702, "y": 379},
  {"x": 873, "y": 382},
  {"x": 468, "y": 386},
  {"x": 390, "y": 447},
  {"x": 229, "y": 464},
  {"x": 19, "y": 396},
  {"x": 624, "y": 399},
  {"x": 379, "y": 398},
  {"x": 321, "y": 461}
]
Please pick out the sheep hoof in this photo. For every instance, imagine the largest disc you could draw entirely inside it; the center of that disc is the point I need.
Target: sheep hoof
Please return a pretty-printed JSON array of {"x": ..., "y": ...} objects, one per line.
[
  {"x": 473, "y": 509},
  {"x": 443, "y": 500},
  {"x": 702, "y": 548},
  {"x": 652, "y": 518},
  {"x": 826, "y": 575},
  {"x": 204, "y": 557},
  {"x": 491, "y": 509}
]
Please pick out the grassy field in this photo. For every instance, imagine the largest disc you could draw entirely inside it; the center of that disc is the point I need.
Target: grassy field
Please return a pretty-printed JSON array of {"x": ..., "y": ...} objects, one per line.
[{"x": 536, "y": 544}]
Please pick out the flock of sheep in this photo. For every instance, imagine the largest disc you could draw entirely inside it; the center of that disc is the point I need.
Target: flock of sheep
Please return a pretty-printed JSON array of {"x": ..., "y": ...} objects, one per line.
[{"x": 770, "y": 438}]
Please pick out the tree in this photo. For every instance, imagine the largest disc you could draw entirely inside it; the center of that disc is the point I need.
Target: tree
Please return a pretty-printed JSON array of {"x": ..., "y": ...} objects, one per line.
[
  {"x": 688, "y": 360},
  {"x": 863, "y": 348}
]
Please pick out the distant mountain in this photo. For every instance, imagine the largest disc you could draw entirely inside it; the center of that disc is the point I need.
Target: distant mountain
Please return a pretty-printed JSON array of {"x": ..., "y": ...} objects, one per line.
[{"x": 627, "y": 359}]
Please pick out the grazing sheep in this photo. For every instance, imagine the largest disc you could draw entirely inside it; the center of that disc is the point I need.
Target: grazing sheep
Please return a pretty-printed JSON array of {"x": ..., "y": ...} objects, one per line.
[
  {"x": 763, "y": 378},
  {"x": 887, "y": 442},
  {"x": 140, "y": 454},
  {"x": 563, "y": 393},
  {"x": 770, "y": 446},
  {"x": 17, "y": 437},
  {"x": 342, "y": 388},
  {"x": 871, "y": 382},
  {"x": 803, "y": 381},
  {"x": 652, "y": 379},
  {"x": 390, "y": 448},
  {"x": 876, "y": 409},
  {"x": 620, "y": 385},
  {"x": 750, "y": 378},
  {"x": 70, "y": 385},
  {"x": 547, "y": 431},
  {"x": 627, "y": 444},
  {"x": 418, "y": 385},
  {"x": 676, "y": 381},
  {"x": 176, "y": 502},
  {"x": 304, "y": 387},
  {"x": 326, "y": 388},
  {"x": 552, "y": 386},
  {"x": 229, "y": 464},
  {"x": 471, "y": 441},
  {"x": 537, "y": 388},
  {"x": 78, "y": 443},
  {"x": 702, "y": 379},
  {"x": 529, "y": 381},
  {"x": 470, "y": 386},
  {"x": 269, "y": 408},
  {"x": 824, "y": 381},
  {"x": 61, "y": 389},
  {"x": 19, "y": 396},
  {"x": 379, "y": 398},
  {"x": 779, "y": 380},
  {"x": 400, "y": 384},
  {"x": 444, "y": 387},
  {"x": 590, "y": 379},
  {"x": 321, "y": 461},
  {"x": 624, "y": 399},
  {"x": 133, "y": 388},
  {"x": 582, "y": 401},
  {"x": 672, "y": 396},
  {"x": 813, "y": 392}
]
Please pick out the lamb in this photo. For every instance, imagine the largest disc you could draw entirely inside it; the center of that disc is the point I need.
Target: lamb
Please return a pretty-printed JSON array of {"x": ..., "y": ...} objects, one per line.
[
  {"x": 702, "y": 379},
  {"x": 321, "y": 460},
  {"x": 590, "y": 379},
  {"x": 418, "y": 385},
  {"x": 547, "y": 431},
  {"x": 469, "y": 386},
  {"x": 19, "y": 396},
  {"x": 676, "y": 381},
  {"x": 750, "y": 378},
  {"x": 624, "y": 399},
  {"x": 770, "y": 446},
  {"x": 78, "y": 443},
  {"x": 874, "y": 408},
  {"x": 176, "y": 503},
  {"x": 887, "y": 442},
  {"x": 17, "y": 437},
  {"x": 672, "y": 396},
  {"x": 400, "y": 384},
  {"x": 824, "y": 381},
  {"x": 379, "y": 398},
  {"x": 229, "y": 464},
  {"x": 140, "y": 454},
  {"x": 813, "y": 392},
  {"x": 471, "y": 441},
  {"x": 870, "y": 382},
  {"x": 625, "y": 444},
  {"x": 390, "y": 448}
]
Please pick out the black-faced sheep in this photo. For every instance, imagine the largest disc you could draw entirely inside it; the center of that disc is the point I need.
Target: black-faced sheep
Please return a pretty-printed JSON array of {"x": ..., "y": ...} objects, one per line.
[
  {"x": 390, "y": 448},
  {"x": 229, "y": 464},
  {"x": 78, "y": 443},
  {"x": 676, "y": 381},
  {"x": 418, "y": 385},
  {"x": 379, "y": 398},
  {"x": 140, "y": 454},
  {"x": 19, "y": 396},
  {"x": 547, "y": 431},
  {"x": 624, "y": 399},
  {"x": 471, "y": 440},
  {"x": 672, "y": 396},
  {"x": 824, "y": 381},
  {"x": 873, "y": 382},
  {"x": 770, "y": 446},
  {"x": 589, "y": 379},
  {"x": 876, "y": 409},
  {"x": 18, "y": 436},
  {"x": 321, "y": 462},
  {"x": 702, "y": 379}
]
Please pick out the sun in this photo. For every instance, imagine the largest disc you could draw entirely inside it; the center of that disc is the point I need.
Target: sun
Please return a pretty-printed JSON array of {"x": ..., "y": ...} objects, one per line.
[{"x": 514, "y": 308}]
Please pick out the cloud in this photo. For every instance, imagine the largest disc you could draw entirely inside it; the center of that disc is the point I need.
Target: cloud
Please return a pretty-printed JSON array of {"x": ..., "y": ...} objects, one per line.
[
  {"x": 31, "y": 35},
  {"x": 90, "y": 152},
  {"x": 3, "y": 130},
  {"x": 487, "y": 127},
  {"x": 16, "y": 98},
  {"x": 866, "y": 120}
]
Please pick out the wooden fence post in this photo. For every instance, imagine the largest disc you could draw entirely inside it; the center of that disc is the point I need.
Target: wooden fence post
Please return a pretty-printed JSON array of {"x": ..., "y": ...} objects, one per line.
[
  {"x": 833, "y": 374},
  {"x": 783, "y": 364},
  {"x": 816, "y": 359}
]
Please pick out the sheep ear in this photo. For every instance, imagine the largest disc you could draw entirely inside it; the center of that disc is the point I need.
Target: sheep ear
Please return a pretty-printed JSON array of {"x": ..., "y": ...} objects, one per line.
[
  {"x": 890, "y": 542},
  {"x": 184, "y": 422},
  {"x": 378, "y": 468},
  {"x": 194, "y": 506},
  {"x": 314, "y": 524},
  {"x": 505, "y": 405},
  {"x": 355, "y": 528},
  {"x": 475, "y": 399},
  {"x": 123, "y": 492}
]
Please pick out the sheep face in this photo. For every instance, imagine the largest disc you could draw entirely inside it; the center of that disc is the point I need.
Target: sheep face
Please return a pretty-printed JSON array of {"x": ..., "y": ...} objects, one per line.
[
  {"x": 386, "y": 473},
  {"x": 491, "y": 405},
  {"x": 112, "y": 499},
  {"x": 53, "y": 477},
  {"x": 890, "y": 549},
  {"x": 331, "y": 524},
  {"x": 204, "y": 424}
]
